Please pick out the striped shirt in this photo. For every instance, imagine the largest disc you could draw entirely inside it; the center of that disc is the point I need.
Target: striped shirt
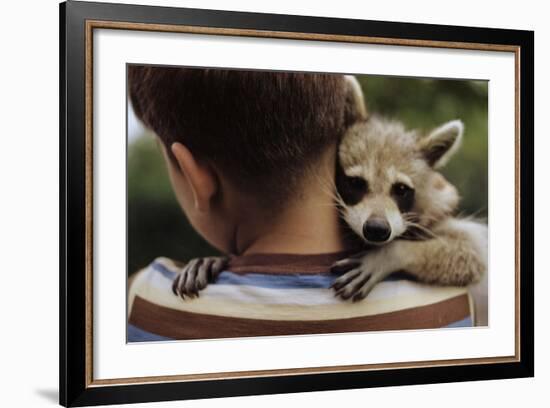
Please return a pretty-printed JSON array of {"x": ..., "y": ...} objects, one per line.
[{"x": 277, "y": 294}]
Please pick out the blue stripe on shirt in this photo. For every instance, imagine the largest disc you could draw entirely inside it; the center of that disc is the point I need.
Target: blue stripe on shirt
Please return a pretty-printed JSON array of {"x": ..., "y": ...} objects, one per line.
[
  {"x": 271, "y": 281},
  {"x": 167, "y": 273},
  {"x": 135, "y": 334},
  {"x": 467, "y": 322},
  {"x": 262, "y": 280},
  {"x": 276, "y": 281}
]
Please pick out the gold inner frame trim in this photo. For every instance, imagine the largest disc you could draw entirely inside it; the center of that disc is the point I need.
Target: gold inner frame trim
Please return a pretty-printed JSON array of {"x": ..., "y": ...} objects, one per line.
[{"x": 100, "y": 24}]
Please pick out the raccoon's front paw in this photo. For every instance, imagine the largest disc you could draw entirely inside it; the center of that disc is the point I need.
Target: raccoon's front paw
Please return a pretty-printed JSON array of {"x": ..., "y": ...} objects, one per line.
[
  {"x": 196, "y": 274},
  {"x": 356, "y": 284}
]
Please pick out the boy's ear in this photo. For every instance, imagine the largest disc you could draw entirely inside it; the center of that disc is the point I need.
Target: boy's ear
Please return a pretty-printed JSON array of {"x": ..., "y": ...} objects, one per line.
[
  {"x": 200, "y": 176},
  {"x": 442, "y": 143},
  {"x": 356, "y": 109}
]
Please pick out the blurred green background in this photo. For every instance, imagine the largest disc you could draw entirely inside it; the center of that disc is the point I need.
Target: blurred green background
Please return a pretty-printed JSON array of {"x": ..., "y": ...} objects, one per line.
[{"x": 157, "y": 226}]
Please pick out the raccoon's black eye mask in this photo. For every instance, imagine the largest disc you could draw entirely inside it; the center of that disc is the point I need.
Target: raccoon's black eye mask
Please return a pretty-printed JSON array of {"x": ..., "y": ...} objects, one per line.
[
  {"x": 352, "y": 189},
  {"x": 403, "y": 196}
]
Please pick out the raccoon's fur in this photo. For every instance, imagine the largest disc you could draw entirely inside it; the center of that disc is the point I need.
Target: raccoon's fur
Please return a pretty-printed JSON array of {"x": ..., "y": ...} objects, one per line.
[{"x": 392, "y": 196}]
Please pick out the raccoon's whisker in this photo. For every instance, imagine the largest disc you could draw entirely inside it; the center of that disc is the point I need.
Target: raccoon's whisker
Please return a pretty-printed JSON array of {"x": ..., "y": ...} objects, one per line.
[
  {"x": 329, "y": 189},
  {"x": 331, "y": 193},
  {"x": 461, "y": 215},
  {"x": 409, "y": 215},
  {"x": 416, "y": 216},
  {"x": 327, "y": 183},
  {"x": 335, "y": 197},
  {"x": 422, "y": 228},
  {"x": 326, "y": 187},
  {"x": 339, "y": 201},
  {"x": 424, "y": 219},
  {"x": 411, "y": 218},
  {"x": 441, "y": 240},
  {"x": 426, "y": 230}
]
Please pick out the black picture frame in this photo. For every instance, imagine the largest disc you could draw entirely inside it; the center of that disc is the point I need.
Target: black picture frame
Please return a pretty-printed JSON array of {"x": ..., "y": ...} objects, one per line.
[{"x": 75, "y": 386}]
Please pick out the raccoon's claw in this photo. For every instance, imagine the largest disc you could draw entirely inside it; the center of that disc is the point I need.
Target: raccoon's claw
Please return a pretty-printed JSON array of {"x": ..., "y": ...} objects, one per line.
[
  {"x": 365, "y": 290},
  {"x": 357, "y": 283},
  {"x": 349, "y": 284},
  {"x": 343, "y": 280},
  {"x": 196, "y": 275},
  {"x": 344, "y": 265}
]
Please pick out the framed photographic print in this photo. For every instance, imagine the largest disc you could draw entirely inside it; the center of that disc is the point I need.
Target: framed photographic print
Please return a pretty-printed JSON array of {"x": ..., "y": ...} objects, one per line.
[{"x": 256, "y": 204}]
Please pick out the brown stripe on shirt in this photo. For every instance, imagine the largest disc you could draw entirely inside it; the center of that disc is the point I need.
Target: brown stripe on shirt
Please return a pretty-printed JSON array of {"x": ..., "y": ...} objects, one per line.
[
  {"x": 181, "y": 325},
  {"x": 286, "y": 263}
]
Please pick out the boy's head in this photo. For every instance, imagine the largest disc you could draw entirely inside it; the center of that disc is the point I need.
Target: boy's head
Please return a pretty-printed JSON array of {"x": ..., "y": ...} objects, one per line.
[{"x": 227, "y": 133}]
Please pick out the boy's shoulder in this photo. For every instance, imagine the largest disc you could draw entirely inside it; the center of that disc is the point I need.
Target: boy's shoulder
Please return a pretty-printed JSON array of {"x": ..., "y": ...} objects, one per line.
[
  {"x": 155, "y": 275},
  {"x": 274, "y": 295}
]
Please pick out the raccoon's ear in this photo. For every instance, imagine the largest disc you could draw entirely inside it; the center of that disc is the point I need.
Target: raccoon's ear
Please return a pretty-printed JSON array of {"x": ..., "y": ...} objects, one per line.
[
  {"x": 442, "y": 143},
  {"x": 355, "y": 101}
]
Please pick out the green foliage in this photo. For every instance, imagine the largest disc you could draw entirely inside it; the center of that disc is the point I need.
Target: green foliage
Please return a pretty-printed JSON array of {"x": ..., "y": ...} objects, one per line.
[{"x": 157, "y": 226}]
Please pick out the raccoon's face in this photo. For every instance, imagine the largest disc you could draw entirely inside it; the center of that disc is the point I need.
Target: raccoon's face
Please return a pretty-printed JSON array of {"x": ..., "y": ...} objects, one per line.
[{"x": 387, "y": 182}]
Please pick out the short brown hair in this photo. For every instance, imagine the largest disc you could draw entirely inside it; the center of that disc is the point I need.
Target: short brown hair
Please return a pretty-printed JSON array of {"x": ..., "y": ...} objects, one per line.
[{"x": 262, "y": 129}]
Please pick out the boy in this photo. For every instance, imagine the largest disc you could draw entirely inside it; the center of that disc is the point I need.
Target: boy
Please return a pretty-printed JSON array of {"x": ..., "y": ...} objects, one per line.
[{"x": 251, "y": 158}]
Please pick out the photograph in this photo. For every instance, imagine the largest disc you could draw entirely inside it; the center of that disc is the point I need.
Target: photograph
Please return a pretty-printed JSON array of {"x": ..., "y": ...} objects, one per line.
[{"x": 271, "y": 203}]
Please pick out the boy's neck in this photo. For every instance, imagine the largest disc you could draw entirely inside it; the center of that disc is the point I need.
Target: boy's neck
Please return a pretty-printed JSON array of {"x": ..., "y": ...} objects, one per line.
[{"x": 309, "y": 225}]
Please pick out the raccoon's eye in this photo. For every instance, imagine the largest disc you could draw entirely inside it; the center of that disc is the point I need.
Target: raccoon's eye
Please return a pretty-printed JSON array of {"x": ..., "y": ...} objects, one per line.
[
  {"x": 358, "y": 184},
  {"x": 403, "y": 195},
  {"x": 401, "y": 189},
  {"x": 352, "y": 189}
]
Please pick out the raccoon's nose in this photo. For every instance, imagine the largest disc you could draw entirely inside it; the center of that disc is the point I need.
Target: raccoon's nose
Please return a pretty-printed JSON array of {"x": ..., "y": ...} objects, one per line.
[{"x": 376, "y": 230}]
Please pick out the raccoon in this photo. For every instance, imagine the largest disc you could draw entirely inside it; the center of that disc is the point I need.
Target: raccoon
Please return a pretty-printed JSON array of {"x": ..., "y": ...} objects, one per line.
[{"x": 392, "y": 196}]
